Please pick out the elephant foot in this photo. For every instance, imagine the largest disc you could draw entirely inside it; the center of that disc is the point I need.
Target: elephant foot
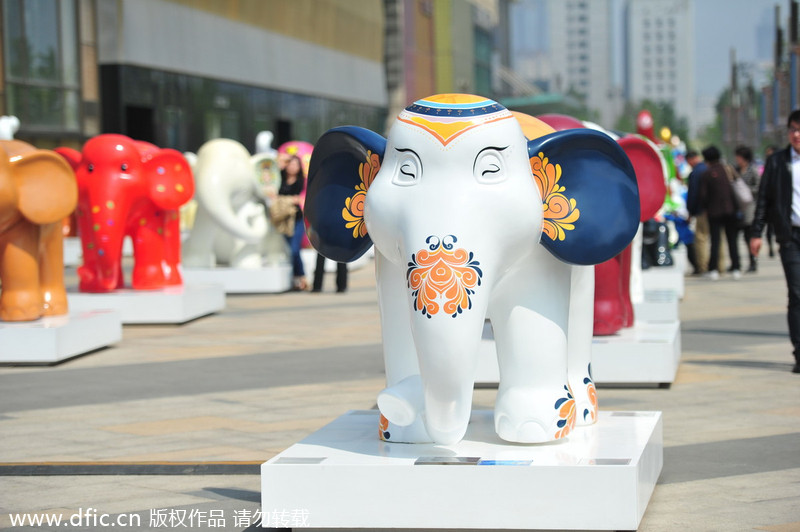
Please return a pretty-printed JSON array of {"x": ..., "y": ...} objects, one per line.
[
  {"x": 173, "y": 277},
  {"x": 55, "y": 302},
  {"x": 628, "y": 316},
  {"x": 526, "y": 415},
  {"x": 20, "y": 306},
  {"x": 413, "y": 433},
  {"x": 585, "y": 395},
  {"x": 90, "y": 282},
  {"x": 609, "y": 317},
  {"x": 403, "y": 402},
  {"x": 150, "y": 277}
]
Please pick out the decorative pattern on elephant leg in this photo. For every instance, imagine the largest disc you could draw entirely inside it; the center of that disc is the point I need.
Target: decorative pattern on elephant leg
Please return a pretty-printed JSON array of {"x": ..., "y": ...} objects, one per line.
[
  {"x": 443, "y": 277},
  {"x": 590, "y": 414},
  {"x": 383, "y": 428},
  {"x": 560, "y": 212},
  {"x": 353, "y": 212},
  {"x": 566, "y": 413}
]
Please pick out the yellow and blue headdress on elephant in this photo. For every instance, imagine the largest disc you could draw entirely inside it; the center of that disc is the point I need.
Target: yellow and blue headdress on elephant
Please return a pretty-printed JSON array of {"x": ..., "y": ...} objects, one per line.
[{"x": 589, "y": 194}]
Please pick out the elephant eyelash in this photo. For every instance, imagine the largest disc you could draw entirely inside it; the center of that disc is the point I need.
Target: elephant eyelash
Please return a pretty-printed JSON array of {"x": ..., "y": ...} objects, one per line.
[
  {"x": 402, "y": 171},
  {"x": 409, "y": 169},
  {"x": 493, "y": 170}
]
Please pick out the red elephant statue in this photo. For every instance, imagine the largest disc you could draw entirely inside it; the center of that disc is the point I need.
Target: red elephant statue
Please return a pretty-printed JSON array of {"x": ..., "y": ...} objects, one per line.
[
  {"x": 129, "y": 188},
  {"x": 613, "y": 309}
]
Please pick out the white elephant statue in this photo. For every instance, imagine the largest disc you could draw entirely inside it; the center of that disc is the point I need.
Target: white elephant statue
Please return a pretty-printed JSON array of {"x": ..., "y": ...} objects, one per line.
[
  {"x": 231, "y": 226},
  {"x": 470, "y": 221}
]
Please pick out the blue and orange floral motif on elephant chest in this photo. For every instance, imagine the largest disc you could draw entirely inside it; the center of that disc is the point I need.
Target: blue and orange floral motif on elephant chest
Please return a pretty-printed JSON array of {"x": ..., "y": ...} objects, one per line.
[{"x": 443, "y": 277}]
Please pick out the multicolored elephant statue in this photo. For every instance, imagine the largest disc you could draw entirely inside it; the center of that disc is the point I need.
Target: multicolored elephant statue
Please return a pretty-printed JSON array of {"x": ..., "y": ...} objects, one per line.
[
  {"x": 37, "y": 190},
  {"x": 129, "y": 188},
  {"x": 613, "y": 308},
  {"x": 231, "y": 225},
  {"x": 471, "y": 220}
]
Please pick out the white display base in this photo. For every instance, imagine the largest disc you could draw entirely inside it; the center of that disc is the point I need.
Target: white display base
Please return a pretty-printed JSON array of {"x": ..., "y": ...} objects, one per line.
[
  {"x": 73, "y": 253},
  {"x": 175, "y": 305},
  {"x": 658, "y": 305},
  {"x": 647, "y": 353},
  {"x": 266, "y": 280},
  {"x": 53, "y": 339},
  {"x": 680, "y": 258},
  {"x": 664, "y": 278},
  {"x": 343, "y": 476}
]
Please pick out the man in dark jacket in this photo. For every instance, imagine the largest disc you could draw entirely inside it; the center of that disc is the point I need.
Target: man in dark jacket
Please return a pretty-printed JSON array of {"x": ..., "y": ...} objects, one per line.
[
  {"x": 778, "y": 202},
  {"x": 701, "y": 237}
]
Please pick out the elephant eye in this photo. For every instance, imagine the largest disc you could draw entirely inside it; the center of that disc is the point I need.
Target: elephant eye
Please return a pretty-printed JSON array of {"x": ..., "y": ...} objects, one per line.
[
  {"x": 409, "y": 169},
  {"x": 124, "y": 167},
  {"x": 490, "y": 166},
  {"x": 90, "y": 168}
]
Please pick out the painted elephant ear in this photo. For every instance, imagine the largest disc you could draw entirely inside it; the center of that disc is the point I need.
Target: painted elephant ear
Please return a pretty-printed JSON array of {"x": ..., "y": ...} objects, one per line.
[
  {"x": 589, "y": 193},
  {"x": 46, "y": 186},
  {"x": 650, "y": 173},
  {"x": 344, "y": 163},
  {"x": 169, "y": 177}
]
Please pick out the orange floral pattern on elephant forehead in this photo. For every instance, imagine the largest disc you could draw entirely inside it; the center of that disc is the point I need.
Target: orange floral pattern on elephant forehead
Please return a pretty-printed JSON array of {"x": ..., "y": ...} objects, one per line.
[
  {"x": 353, "y": 211},
  {"x": 560, "y": 212},
  {"x": 447, "y": 116},
  {"x": 443, "y": 278}
]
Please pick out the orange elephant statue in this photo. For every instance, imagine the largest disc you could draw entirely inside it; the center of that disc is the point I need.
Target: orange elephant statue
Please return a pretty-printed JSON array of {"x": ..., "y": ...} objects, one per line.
[{"x": 37, "y": 190}]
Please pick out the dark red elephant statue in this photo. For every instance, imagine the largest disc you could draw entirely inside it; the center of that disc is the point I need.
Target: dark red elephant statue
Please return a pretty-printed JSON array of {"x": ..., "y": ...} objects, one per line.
[
  {"x": 613, "y": 309},
  {"x": 129, "y": 188}
]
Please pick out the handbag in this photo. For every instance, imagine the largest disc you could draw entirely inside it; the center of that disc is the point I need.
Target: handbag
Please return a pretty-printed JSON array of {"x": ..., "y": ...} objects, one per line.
[
  {"x": 282, "y": 213},
  {"x": 742, "y": 193}
]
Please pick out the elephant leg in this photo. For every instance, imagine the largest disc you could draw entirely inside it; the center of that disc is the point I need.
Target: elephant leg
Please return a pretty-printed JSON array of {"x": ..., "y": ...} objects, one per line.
[
  {"x": 198, "y": 250},
  {"x": 530, "y": 316},
  {"x": 626, "y": 266},
  {"x": 609, "y": 314},
  {"x": 148, "y": 255},
  {"x": 172, "y": 248},
  {"x": 21, "y": 297},
  {"x": 51, "y": 273},
  {"x": 401, "y": 402},
  {"x": 579, "y": 344}
]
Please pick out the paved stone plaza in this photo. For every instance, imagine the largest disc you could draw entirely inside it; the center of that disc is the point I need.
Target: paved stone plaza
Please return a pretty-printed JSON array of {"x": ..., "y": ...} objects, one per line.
[{"x": 174, "y": 421}]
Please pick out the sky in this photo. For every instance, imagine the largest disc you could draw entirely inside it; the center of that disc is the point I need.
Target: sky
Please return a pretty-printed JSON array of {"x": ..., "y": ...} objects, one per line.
[{"x": 739, "y": 24}]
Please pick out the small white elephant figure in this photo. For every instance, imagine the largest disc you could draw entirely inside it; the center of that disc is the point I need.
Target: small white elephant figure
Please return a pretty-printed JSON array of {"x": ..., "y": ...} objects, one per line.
[
  {"x": 471, "y": 220},
  {"x": 231, "y": 226},
  {"x": 8, "y": 126}
]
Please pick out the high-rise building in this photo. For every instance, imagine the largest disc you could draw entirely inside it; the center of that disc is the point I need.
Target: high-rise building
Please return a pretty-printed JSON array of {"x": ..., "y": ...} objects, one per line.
[
  {"x": 566, "y": 47},
  {"x": 659, "y": 51},
  {"x": 581, "y": 52}
]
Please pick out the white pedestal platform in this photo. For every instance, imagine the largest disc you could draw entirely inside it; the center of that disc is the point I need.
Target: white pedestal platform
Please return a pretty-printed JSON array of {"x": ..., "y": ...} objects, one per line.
[
  {"x": 343, "y": 476},
  {"x": 266, "y": 280},
  {"x": 658, "y": 305},
  {"x": 172, "y": 305},
  {"x": 647, "y": 353},
  {"x": 73, "y": 254},
  {"x": 53, "y": 339},
  {"x": 664, "y": 278}
]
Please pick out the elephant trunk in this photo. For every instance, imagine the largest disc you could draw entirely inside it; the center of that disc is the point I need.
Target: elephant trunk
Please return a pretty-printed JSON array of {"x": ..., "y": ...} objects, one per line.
[
  {"x": 449, "y": 297},
  {"x": 225, "y": 182}
]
